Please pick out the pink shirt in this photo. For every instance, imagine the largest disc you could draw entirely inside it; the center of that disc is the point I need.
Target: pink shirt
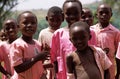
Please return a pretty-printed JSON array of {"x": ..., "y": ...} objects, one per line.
[
  {"x": 4, "y": 57},
  {"x": 22, "y": 51},
  {"x": 108, "y": 38},
  {"x": 118, "y": 52},
  {"x": 60, "y": 47}
]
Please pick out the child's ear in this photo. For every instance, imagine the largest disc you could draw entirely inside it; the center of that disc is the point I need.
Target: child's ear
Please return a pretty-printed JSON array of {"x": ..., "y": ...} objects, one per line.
[{"x": 46, "y": 18}]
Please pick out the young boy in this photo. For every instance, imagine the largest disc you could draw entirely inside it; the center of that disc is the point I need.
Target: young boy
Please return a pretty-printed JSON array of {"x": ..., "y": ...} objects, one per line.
[
  {"x": 87, "y": 61},
  {"x": 108, "y": 36},
  {"x": 54, "y": 18}
]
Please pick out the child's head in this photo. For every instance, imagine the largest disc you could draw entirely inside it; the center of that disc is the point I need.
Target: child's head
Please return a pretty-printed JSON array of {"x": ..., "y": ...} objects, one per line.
[
  {"x": 87, "y": 16},
  {"x": 72, "y": 10},
  {"x": 11, "y": 28},
  {"x": 79, "y": 35},
  {"x": 55, "y": 17},
  {"x": 104, "y": 13},
  {"x": 27, "y": 22},
  {"x": 3, "y": 35}
]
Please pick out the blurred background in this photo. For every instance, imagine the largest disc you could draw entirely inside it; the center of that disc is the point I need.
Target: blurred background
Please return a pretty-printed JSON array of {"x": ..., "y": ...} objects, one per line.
[{"x": 12, "y": 8}]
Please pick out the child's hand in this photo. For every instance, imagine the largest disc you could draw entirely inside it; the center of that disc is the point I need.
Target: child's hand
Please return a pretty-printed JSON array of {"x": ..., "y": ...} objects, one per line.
[
  {"x": 8, "y": 76},
  {"x": 43, "y": 56},
  {"x": 106, "y": 50},
  {"x": 45, "y": 47}
]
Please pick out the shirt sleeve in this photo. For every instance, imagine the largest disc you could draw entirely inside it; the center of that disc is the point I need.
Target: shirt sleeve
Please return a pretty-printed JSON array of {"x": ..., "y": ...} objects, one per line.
[
  {"x": 16, "y": 54},
  {"x": 118, "y": 52}
]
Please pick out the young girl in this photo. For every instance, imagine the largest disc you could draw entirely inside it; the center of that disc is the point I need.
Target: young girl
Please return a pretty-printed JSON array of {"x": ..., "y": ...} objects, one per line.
[
  {"x": 26, "y": 55},
  {"x": 108, "y": 36},
  {"x": 87, "y": 62},
  {"x": 54, "y": 18},
  {"x": 11, "y": 29},
  {"x": 61, "y": 44}
]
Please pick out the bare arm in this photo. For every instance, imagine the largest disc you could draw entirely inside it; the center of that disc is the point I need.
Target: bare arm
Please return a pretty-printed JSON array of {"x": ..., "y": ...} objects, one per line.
[
  {"x": 29, "y": 63},
  {"x": 107, "y": 74},
  {"x": 2, "y": 70}
]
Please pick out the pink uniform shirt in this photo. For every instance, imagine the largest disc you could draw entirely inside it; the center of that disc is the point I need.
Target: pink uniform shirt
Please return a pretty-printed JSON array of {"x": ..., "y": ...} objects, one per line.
[
  {"x": 60, "y": 47},
  {"x": 118, "y": 52},
  {"x": 4, "y": 57},
  {"x": 108, "y": 38},
  {"x": 22, "y": 51}
]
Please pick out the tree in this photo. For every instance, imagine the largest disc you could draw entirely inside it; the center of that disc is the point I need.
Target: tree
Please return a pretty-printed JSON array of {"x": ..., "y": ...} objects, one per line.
[{"x": 5, "y": 9}]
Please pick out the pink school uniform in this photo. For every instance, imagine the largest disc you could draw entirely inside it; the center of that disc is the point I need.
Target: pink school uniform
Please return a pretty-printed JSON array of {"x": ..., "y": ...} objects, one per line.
[
  {"x": 60, "y": 47},
  {"x": 108, "y": 37},
  {"x": 101, "y": 59},
  {"x": 21, "y": 51},
  {"x": 118, "y": 52},
  {"x": 4, "y": 57}
]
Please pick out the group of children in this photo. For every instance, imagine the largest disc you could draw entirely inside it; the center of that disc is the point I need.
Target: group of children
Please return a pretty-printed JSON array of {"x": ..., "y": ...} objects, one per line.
[{"x": 80, "y": 50}]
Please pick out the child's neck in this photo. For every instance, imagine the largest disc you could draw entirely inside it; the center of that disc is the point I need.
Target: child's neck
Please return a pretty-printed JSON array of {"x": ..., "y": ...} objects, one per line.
[
  {"x": 11, "y": 40},
  {"x": 84, "y": 51},
  {"x": 28, "y": 39},
  {"x": 103, "y": 25}
]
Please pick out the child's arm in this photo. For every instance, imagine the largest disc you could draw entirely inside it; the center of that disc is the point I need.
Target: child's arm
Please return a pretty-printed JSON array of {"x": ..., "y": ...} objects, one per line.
[
  {"x": 29, "y": 63},
  {"x": 70, "y": 69},
  {"x": 118, "y": 68},
  {"x": 107, "y": 74},
  {"x": 2, "y": 70}
]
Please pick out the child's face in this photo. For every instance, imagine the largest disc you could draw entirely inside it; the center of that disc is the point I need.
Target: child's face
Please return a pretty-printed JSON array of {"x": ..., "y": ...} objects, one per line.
[
  {"x": 72, "y": 12},
  {"x": 104, "y": 13},
  {"x": 28, "y": 24},
  {"x": 10, "y": 27},
  {"x": 3, "y": 36},
  {"x": 54, "y": 20},
  {"x": 79, "y": 37},
  {"x": 87, "y": 17}
]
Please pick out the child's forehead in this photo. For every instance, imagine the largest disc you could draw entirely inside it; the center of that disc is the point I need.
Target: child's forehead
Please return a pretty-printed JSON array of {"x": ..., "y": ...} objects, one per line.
[
  {"x": 103, "y": 6},
  {"x": 72, "y": 4},
  {"x": 9, "y": 21}
]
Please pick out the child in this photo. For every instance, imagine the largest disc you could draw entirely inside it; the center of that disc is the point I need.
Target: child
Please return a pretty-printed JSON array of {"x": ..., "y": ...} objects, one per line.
[
  {"x": 26, "y": 55},
  {"x": 87, "y": 17},
  {"x": 108, "y": 36},
  {"x": 61, "y": 44},
  {"x": 87, "y": 62},
  {"x": 10, "y": 28},
  {"x": 54, "y": 18},
  {"x": 3, "y": 36}
]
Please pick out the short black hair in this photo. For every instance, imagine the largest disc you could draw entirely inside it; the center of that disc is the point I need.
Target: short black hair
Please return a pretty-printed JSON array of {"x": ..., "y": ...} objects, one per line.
[
  {"x": 80, "y": 24},
  {"x": 66, "y": 1},
  {"x": 19, "y": 16},
  {"x": 55, "y": 9}
]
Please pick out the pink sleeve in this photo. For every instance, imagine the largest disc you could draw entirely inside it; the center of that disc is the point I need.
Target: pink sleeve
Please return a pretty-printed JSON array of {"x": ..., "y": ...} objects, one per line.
[
  {"x": 118, "y": 52},
  {"x": 117, "y": 39},
  {"x": 16, "y": 54},
  {"x": 92, "y": 41},
  {"x": 54, "y": 47},
  {"x": 1, "y": 55}
]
